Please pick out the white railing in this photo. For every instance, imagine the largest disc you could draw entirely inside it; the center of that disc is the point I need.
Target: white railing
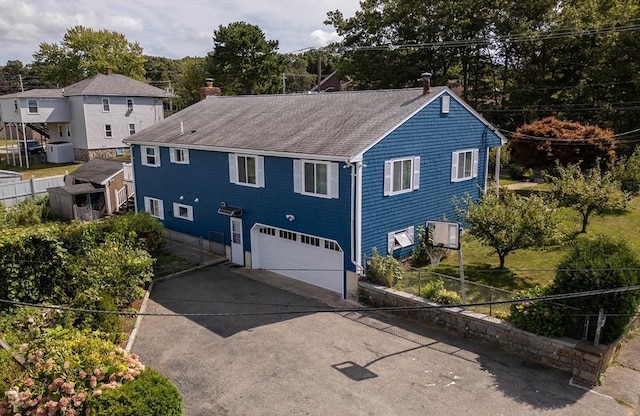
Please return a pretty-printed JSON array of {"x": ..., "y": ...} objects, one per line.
[
  {"x": 128, "y": 171},
  {"x": 121, "y": 197}
]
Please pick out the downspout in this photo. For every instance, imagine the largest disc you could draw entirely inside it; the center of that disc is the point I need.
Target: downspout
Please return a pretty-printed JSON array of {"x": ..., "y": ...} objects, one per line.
[
  {"x": 497, "y": 172},
  {"x": 357, "y": 220}
]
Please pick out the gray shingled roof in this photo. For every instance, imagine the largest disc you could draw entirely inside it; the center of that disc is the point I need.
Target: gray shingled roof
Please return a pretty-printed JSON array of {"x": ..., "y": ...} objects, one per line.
[
  {"x": 37, "y": 93},
  {"x": 97, "y": 170},
  {"x": 337, "y": 124},
  {"x": 114, "y": 84}
]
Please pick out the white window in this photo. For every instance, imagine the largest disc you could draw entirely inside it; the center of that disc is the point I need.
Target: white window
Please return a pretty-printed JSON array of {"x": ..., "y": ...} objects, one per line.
[
  {"x": 401, "y": 175},
  {"x": 108, "y": 132},
  {"x": 150, "y": 156},
  {"x": 132, "y": 128},
  {"x": 400, "y": 239},
  {"x": 246, "y": 170},
  {"x": 316, "y": 178},
  {"x": 183, "y": 211},
  {"x": 180, "y": 156},
  {"x": 106, "y": 107},
  {"x": 464, "y": 165},
  {"x": 15, "y": 105},
  {"x": 129, "y": 104},
  {"x": 68, "y": 130},
  {"x": 60, "y": 130},
  {"x": 32, "y": 106},
  {"x": 154, "y": 207}
]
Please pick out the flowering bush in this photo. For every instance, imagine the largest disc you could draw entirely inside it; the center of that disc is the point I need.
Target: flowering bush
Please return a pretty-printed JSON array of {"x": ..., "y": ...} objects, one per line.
[
  {"x": 541, "y": 318},
  {"x": 64, "y": 368}
]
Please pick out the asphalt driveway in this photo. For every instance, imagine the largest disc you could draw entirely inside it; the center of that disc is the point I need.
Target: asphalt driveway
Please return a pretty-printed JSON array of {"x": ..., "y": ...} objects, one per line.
[{"x": 274, "y": 352}]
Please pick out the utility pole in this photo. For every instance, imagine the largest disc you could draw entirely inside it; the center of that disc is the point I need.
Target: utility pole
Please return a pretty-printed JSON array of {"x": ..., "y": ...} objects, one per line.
[
  {"x": 21, "y": 85},
  {"x": 319, "y": 68},
  {"x": 284, "y": 83}
]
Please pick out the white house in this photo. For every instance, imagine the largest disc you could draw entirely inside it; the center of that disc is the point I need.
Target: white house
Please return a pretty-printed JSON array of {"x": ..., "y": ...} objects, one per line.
[{"x": 95, "y": 114}]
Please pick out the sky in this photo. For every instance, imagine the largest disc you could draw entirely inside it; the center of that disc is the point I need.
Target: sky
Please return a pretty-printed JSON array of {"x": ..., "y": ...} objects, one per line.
[{"x": 168, "y": 28}]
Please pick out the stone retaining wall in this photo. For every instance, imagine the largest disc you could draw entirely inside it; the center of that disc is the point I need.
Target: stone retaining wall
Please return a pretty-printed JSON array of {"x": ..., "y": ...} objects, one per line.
[{"x": 580, "y": 358}]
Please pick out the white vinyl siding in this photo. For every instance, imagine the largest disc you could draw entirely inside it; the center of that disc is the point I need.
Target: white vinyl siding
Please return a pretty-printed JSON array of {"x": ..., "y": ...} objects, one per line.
[
  {"x": 150, "y": 156},
  {"x": 247, "y": 170},
  {"x": 183, "y": 211},
  {"x": 106, "y": 106},
  {"x": 180, "y": 156},
  {"x": 399, "y": 239},
  {"x": 154, "y": 207},
  {"x": 401, "y": 175},
  {"x": 315, "y": 178},
  {"x": 464, "y": 165}
]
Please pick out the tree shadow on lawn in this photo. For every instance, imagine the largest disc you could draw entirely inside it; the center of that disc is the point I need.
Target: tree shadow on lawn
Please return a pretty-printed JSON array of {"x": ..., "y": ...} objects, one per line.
[{"x": 522, "y": 380}]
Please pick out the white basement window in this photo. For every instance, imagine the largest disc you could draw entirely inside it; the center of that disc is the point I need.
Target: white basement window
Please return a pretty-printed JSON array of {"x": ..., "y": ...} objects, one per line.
[
  {"x": 400, "y": 239},
  {"x": 183, "y": 211}
]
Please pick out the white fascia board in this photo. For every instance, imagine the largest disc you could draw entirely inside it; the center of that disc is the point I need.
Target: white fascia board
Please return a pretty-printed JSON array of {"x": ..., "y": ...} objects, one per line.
[{"x": 244, "y": 151}]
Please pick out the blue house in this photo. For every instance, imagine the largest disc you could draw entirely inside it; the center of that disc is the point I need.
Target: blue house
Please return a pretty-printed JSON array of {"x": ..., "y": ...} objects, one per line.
[{"x": 307, "y": 185}]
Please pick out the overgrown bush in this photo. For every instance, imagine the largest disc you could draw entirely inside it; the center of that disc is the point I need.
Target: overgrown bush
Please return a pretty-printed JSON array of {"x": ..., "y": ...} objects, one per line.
[
  {"x": 148, "y": 232},
  {"x": 150, "y": 394},
  {"x": 33, "y": 266},
  {"x": 516, "y": 171},
  {"x": 383, "y": 270},
  {"x": 31, "y": 211},
  {"x": 116, "y": 267},
  {"x": 538, "y": 317},
  {"x": 600, "y": 263},
  {"x": 91, "y": 299},
  {"x": 434, "y": 290}
]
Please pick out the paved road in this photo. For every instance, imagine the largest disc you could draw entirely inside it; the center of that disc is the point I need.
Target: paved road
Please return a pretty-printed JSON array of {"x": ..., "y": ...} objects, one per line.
[{"x": 327, "y": 363}]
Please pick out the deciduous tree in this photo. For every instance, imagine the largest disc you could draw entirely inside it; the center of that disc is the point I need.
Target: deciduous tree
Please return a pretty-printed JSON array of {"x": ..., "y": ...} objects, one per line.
[
  {"x": 543, "y": 142},
  {"x": 507, "y": 222},
  {"x": 593, "y": 191},
  {"x": 243, "y": 61},
  {"x": 84, "y": 52}
]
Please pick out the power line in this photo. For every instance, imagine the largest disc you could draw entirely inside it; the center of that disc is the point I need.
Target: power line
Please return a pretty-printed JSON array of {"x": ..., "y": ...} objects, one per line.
[{"x": 563, "y": 296}]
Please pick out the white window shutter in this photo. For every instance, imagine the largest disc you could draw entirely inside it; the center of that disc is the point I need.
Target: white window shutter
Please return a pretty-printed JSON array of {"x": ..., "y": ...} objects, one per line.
[
  {"x": 185, "y": 154},
  {"x": 388, "y": 169},
  {"x": 391, "y": 242},
  {"x": 476, "y": 154},
  {"x": 454, "y": 166},
  {"x": 416, "y": 172},
  {"x": 172, "y": 155},
  {"x": 297, "y": 176},
  {"x": 233, "y": 168},
  {"x": 176, "y": 209},
  {"x": 161, "y": 209},
  {"x": 334, "y": 180},
  {"x": 411, "y": 233},
  {"x": 260, "y": 171}
]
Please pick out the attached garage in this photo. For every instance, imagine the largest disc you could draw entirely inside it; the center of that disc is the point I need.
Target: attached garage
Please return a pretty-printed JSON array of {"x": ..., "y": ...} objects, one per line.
[{"x": 311, "y": 259}]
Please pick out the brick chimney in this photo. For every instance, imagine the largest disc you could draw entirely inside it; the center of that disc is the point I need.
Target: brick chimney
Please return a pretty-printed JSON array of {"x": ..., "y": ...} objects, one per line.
[
  {"x": 209, "y": 90},
  {"x": 109, "y": 70},
  {"x": 426, "y": 82}
]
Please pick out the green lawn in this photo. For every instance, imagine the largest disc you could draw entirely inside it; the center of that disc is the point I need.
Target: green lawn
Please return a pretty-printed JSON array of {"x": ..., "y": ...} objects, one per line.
[
  {"x": 38, "y": 167},
  {"x": 527, "y": 268}
]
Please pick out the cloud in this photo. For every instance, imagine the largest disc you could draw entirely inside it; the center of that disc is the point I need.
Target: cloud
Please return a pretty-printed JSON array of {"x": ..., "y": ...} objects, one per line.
[{"x": 323, "y": 38}]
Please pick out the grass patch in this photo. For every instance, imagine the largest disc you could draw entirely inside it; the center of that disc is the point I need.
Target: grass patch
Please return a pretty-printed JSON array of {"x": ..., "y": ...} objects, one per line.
[
  {"x": 527, "y": 268},
  {"x": 168, "y": 263},
  {"x": 38, "y": 166}
]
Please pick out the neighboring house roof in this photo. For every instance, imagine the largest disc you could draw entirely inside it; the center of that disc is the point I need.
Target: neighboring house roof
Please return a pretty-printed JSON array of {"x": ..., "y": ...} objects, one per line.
[
  {"x": 79, "y": 189},
  {"x": 114, "y": 84},
  {"x": 98, "y": 170},
  {"x": 37, "y": 93},
  {"x": 338, "y": 125}
]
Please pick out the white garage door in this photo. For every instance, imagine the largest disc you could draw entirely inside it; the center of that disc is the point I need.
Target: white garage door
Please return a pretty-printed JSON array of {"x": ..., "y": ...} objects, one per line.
[{"x": 311, "y": 259}]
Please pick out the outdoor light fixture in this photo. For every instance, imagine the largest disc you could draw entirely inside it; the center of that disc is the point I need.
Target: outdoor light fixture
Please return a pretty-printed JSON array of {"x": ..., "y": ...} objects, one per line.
[
  {"x": 181, "y": 197},
  {"x": 290, "y": 217},
  {"x": 196, "y": 200}
]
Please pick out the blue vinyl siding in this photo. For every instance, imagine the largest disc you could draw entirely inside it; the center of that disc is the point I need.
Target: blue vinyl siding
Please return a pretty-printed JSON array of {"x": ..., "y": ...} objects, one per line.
[
  {"x": 432, "y": 136},
  {"x": 206, "y": 177}
]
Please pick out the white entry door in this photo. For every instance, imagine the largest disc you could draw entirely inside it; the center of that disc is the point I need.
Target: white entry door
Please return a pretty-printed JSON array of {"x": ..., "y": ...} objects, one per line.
[{"x": 237, "y": 248}]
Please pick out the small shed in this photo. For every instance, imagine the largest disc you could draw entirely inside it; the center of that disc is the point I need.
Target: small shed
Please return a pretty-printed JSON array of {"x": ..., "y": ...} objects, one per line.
[
  {"x": 83, "y": 202},
  {"x": 103, "y": 173},
  {"x": 60, "y": 152}
]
